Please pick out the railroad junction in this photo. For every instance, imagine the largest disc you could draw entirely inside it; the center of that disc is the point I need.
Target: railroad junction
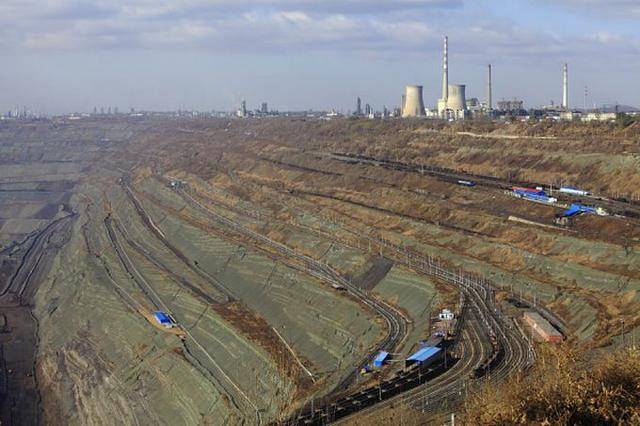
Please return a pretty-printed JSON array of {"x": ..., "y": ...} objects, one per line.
[{"x": 291, "y": 280}]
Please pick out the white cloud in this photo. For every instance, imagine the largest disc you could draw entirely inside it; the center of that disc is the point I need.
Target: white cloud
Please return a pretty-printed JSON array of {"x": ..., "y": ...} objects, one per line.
[
  {"x": 366, "y": 26},
  {"x": 606, "y": 37},
  {"x": 217, "y": 24},
  {"x": 626, "y": 9}
]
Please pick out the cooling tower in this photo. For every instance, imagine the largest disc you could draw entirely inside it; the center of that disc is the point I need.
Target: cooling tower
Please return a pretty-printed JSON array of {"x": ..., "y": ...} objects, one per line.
[
  {"x": 413, "y": 102},
  {"x": 457, "y": 100}
]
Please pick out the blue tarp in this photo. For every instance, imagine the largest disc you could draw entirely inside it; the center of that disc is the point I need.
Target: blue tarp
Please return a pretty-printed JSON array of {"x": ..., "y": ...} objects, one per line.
[
  {"x": 424, "y": 354},
  {"x": 575, "y": 209},
  {"x": 572, "y": 211},
  {"x": 380, "y": 358},
  {"x": 162, "y": 318}
]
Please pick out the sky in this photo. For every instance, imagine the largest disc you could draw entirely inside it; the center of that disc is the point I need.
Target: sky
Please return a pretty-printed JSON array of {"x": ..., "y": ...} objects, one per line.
[{"x": 60, "y": 56}]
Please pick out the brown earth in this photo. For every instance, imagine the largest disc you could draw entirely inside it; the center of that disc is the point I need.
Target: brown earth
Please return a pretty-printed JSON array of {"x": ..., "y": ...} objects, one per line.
[{"x": 276, "y": 172}]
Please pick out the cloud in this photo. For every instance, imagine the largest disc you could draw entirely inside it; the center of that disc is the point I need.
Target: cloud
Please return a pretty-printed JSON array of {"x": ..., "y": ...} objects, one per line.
[
  {"x": 624, "y": 9},
  {"x": 378, "y": 27},
  {"x": 219, "y": 24}
]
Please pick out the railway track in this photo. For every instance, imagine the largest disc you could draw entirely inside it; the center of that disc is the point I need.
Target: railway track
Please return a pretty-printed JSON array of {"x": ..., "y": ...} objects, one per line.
[
  {"x": 516, "y": 351},
  {"x": 231, "y": 389},
  {"x": 470, "y": 351},
  {"x": 395, "y": 321},
  {"x": 488, "y": 324},
  {"x": 510, "y": 347},
  {"x": 218, "y": 285},
  {"x": 621, "y": 207},
  {"x": 19, "y": 282}
]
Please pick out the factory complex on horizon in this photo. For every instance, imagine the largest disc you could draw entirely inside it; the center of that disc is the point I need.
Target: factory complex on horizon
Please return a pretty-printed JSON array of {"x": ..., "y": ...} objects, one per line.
[{"x": 453, "y": 104}]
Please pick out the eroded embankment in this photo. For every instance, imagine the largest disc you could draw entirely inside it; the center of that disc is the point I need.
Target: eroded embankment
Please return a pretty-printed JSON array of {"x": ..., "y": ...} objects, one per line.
[{"x": 19, "y": 334}]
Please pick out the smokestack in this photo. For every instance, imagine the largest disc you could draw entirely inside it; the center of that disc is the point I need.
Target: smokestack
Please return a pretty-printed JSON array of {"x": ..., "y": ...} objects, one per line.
[
  {"x": 445, "y": 71},
  {"x": 489, "y": 91},
  {"x": 565, "y": 87}
]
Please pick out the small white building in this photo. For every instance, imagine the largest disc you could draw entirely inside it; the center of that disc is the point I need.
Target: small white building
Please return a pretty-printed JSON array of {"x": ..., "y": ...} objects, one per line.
[
  {"x": 599, "y": 116},
  {"x": 569, "y": 115},
  {"x": 446, "y": 315}
]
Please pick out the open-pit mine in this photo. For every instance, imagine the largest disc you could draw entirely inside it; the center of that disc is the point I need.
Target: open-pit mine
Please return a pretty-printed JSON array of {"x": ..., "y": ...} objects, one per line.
[{"x": 289, "y": 271}]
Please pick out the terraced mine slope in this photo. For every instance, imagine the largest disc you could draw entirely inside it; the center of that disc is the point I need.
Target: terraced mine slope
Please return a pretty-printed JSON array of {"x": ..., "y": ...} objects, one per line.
[{"x": 287, "y": 253}]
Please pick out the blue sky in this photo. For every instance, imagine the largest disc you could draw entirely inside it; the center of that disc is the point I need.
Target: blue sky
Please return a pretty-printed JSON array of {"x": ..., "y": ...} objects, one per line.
[{"x": 71, "y": 55}]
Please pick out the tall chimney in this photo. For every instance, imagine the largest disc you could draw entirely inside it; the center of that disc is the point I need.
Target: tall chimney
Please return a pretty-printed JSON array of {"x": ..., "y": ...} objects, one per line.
[
  {"x": 445, "y": 71},
  {"x": 565, "y": 87},
  {"x": 489, "y": 91}
]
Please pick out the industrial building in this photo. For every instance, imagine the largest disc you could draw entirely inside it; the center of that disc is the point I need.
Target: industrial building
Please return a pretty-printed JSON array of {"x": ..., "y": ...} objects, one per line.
[
  {"x": 164, "y": 319},
  {"x": 453, "y": 104},
  {"x": 380, "y": 359},
  {"x": 511, "y": 106},
  {"x": 242, "y": 111},
  {"x": 446, "y": 315},
  {"x": 444, "y": 327},
  {"x": 425, "y": 356},
  {"x": 413, "y": 103},
  {"x": 599, "y": 116},
  {"x": 542, "y": 328}
]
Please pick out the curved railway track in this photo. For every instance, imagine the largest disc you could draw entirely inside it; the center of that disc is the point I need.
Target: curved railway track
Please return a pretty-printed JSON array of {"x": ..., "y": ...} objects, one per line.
[
  {"x": 20, "y": 280},
  {"x": 219, "y": 286},
  {"x": 508, "y": 350},
  {"x": 225, "y": 382},
  {"x": 395, "y": 321},
  {"x": 515, "y": 351},
  {"x": 470, "y": 351},
  {"x": 509, "y": 347}
]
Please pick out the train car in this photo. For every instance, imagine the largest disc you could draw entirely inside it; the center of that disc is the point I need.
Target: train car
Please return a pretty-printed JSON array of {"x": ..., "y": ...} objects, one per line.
[
  {"x": 491, "y": 361},
  {"x": 525, "y": 190},
  {"x": 573, "y": 190},
  {"x": 466, "y": 183},
  {"x": 537, "y": 197}
]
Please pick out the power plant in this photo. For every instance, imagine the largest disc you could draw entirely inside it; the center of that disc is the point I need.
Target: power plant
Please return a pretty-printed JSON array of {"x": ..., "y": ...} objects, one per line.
[
  {"x": 413, "y": 103},
  {"x": 453, "y": 104}
]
